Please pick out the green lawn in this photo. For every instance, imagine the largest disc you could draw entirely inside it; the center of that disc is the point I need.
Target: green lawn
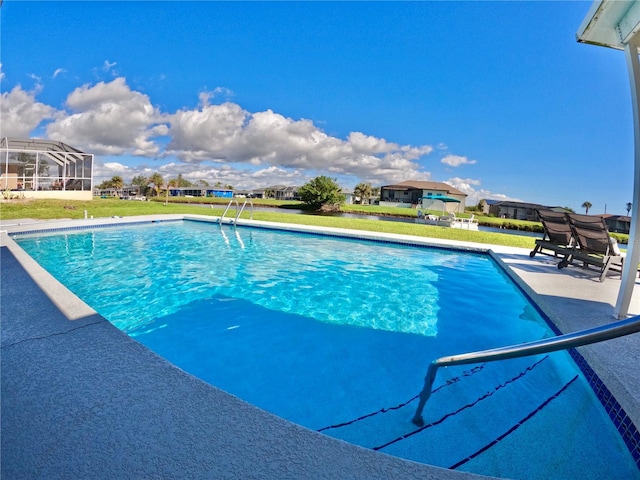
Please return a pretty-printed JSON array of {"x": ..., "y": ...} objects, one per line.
[{"x": 57, "y": 209}]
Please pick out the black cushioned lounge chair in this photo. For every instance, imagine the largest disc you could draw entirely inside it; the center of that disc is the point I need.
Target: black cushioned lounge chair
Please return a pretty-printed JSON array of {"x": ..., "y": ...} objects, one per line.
[
  {"x": 558, "y": 237},
  {"x": 593, "y": 244}
]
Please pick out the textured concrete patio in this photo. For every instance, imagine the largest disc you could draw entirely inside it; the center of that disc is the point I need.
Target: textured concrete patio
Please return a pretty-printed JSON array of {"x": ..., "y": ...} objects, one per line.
[{"x": 80, "y": 399}]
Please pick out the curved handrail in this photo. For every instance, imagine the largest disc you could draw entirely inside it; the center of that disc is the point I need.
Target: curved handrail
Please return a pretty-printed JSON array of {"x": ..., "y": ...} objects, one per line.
[
  {"x": 227, "y": 209},
  {"x": 235, "y": 222},
  {"x": 562, "y": 342}
]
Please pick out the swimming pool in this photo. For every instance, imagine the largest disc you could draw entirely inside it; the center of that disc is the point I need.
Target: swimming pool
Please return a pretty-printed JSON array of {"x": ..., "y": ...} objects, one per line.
[{"x": 273, "y": 306}]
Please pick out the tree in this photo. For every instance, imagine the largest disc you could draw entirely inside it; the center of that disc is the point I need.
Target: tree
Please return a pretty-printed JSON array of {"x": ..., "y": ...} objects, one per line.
[
  {"x": 364, "y": 191},
  {"x": 269, "y": 193},
  {"x": 157, "y": 181},
  {"x": 321, "y": 193},
  {"x": 140, "y": 181},
  {"x": 117, "y": 182},
  {"x": 586, "y": 206},
  {"x": 202, "y": 183},
  {"x": 114, "y": 182},
  {"x": 629, "y": 205},
  {"x": 181, "y": 182}
]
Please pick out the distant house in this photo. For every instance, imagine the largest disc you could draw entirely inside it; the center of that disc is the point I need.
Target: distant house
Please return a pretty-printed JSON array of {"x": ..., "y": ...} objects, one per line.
[
  {"x": 128, "y": 191},
  {"x": 200, "y": 192},
  {"x": 349, "y": 197},
  {"x": 617, "y": 223},
  {"x": 486, "y": 205},
  {"x": 412, "y": 193},
  {"x": 279, "y": 192},
  {"x": 515, "y": 210}
]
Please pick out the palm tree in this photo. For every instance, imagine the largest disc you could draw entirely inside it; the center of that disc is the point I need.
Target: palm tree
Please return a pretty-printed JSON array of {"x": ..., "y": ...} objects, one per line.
[
  {"x": 586, "y": 206},
  {"x": 629, "y": 205},
  {"x": 117, "y": 182},
  {"x": 363, "y": 190},
  {"x": 157, "y": 181},
  {"x": 174, "y": 182}
]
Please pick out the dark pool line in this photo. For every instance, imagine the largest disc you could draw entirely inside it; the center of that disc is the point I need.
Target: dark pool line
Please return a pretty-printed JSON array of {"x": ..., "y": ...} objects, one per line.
[
  {"x": 465, "y": 407},
  {"x": 451, "y": 381},
  {"x": 516, "y": 426}
]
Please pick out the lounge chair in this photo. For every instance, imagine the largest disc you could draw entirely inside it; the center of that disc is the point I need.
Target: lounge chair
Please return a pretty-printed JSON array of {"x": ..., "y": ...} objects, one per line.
[
  {"x": 594, "y": 246},
  {"x": 558, "y": 236}
]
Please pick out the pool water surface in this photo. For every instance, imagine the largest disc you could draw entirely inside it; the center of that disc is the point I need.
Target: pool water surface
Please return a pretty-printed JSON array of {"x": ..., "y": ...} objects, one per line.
[{"x": 336, "y": 335}]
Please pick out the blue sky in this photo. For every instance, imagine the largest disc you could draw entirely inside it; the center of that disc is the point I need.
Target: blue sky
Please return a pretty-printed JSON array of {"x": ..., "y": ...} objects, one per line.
[{"x": 495, "y": 98}]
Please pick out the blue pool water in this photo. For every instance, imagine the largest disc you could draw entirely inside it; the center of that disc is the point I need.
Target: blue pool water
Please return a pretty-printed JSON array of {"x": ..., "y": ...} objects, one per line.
[{"x": 337, "y": 334}]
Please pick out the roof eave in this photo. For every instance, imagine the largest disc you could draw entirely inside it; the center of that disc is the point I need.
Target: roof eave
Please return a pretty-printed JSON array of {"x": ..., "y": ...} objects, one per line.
[{"x": 610, "y": 24}]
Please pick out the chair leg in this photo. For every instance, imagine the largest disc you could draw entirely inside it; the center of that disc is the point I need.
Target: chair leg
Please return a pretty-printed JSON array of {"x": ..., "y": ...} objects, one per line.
[{"x": 605, "y": 269}]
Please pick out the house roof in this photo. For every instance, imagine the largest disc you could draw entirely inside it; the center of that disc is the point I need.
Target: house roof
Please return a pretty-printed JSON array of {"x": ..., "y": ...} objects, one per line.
[
  {"x": 507, "y": 203},
  {"x": 279, "y": 188},
  {"x": 418, "y": 185},
  {"x": 618, "y": 218},
  {"x": 610, "y": 23}
]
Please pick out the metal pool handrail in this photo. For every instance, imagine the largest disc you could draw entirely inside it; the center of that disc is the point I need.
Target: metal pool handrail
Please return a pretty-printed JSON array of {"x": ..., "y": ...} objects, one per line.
[
  {"x": 227, "y": 209},
  {"x": 242, "y": 209},
  {"x": 562, "y": 342}
]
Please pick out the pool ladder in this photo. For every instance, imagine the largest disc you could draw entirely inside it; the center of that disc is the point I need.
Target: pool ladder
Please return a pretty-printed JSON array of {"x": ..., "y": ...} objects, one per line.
[
  {"x": 562, "y": 342},
  {"x": 239, "y": 210}
]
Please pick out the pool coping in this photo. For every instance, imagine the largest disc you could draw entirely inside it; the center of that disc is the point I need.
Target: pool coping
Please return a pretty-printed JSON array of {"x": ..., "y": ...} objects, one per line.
[{"x": 515, "y": 261}]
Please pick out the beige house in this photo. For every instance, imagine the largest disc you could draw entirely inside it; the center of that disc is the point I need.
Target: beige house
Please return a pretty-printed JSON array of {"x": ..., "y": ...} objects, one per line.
[
  {"x": 425, "y": 195},
  {"x": 35, "y": 168}
]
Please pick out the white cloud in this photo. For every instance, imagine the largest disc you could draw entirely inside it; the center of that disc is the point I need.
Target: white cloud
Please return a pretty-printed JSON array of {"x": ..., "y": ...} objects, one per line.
[
  {"x": 110, "y": 119},
  {"x": 474, "y": 195},
  {"x": 456, "y": 161},
  {"x": 228, "y": 133},
  {"x": 58, "y": 71},
  {"x": 21, "y": 113},
  {"x": 108, "y": 66}
]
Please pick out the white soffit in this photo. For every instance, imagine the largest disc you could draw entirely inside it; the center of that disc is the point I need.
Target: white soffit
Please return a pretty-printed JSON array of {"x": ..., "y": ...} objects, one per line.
[{"x": 610, "y": 23}]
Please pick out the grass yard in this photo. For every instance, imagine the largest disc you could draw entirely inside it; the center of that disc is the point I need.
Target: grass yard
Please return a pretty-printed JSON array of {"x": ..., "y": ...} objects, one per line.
[{"x": 59, "y": 209}]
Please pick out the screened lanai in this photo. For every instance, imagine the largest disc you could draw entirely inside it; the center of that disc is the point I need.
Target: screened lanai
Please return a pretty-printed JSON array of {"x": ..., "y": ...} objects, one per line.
[{"x": 44, "y": 169}]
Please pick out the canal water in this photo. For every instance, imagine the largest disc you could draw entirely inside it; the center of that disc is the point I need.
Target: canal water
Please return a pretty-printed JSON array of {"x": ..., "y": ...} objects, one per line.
[{"x": 385, "y": 218}]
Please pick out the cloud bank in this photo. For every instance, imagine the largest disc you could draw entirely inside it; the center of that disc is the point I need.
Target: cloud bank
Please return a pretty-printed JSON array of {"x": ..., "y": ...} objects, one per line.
[{"x": 215, "y": 142}]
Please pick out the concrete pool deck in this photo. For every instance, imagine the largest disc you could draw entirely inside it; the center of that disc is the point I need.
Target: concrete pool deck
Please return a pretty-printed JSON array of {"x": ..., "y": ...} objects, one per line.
[{"x": 81, "y": 399}]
